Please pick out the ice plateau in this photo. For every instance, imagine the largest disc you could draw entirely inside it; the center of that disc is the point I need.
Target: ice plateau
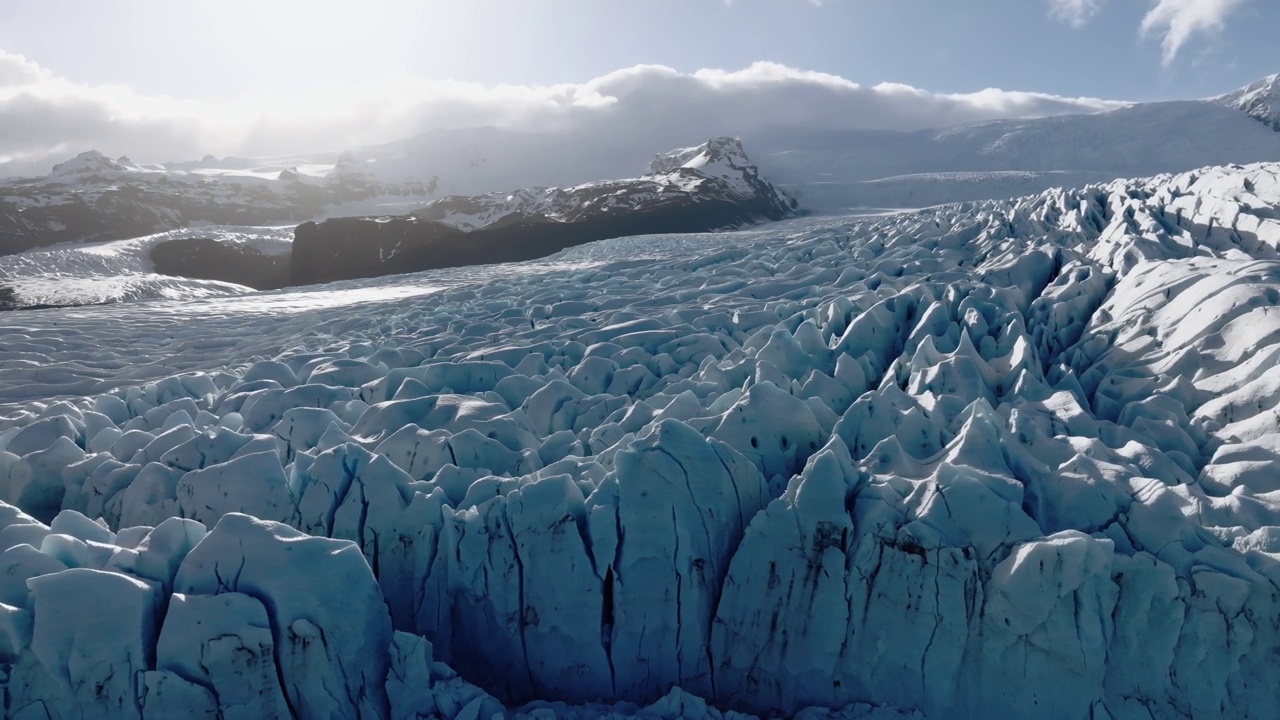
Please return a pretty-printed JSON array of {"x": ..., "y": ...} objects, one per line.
[{"x": 1001, "y": 459}]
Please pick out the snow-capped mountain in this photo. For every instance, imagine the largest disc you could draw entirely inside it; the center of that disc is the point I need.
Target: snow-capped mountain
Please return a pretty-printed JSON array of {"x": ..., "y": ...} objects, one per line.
[
  {"x": 829, "y": 171},
  {"x": 722, "y": 159},
  {"x": 826, "y": 170},
  {"x": 716, "y": 170},
  {"x": 712, "y": 186},
  {"x": 1260, "y": 101},
  {"x": 997, "y": 460},
  {"x": 88, "y": 165},
  {"x": 95, "y": 198}
]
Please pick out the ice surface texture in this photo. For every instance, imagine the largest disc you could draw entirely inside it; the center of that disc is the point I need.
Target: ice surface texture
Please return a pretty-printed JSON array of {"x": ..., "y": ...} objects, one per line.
[{"x": 1001, "y": 460}]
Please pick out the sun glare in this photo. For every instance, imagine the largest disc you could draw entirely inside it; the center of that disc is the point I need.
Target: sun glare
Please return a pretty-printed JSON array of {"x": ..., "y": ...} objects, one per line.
[{"x": 305, "y": 46}]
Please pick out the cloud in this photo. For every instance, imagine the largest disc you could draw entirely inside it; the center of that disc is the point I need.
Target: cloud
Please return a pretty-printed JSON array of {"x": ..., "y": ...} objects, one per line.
[
  {"x": 1076, "y": 13},
  {"x": 1177, "y": 21},
  {"x": 649, "y": 108}
]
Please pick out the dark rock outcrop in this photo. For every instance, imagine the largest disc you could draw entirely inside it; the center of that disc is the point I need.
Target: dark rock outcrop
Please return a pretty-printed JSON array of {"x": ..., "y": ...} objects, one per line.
[
  {"x": 11, "y": 300},
  {"x": 208, "y": 259},
  {"x": 710, "y": 187}
]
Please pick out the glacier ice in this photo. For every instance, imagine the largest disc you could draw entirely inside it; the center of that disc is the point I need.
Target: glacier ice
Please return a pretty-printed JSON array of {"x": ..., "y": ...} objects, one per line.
[{"x": 999, "y": 459}]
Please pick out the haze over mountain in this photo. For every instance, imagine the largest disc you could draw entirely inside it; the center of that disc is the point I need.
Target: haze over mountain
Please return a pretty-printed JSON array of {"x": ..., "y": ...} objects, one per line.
[
  {"x": 308, "y": 77},
  {"x": 826, "y": 169},
  {"x": 638, "y": 107}
]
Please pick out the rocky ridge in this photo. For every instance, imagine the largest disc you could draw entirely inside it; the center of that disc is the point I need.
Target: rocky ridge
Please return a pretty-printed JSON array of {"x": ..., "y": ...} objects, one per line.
[
  {"x": 94, "y": 198},
  {"x": 1260, "y": 100},
  {"x": 709, "y": 187}
]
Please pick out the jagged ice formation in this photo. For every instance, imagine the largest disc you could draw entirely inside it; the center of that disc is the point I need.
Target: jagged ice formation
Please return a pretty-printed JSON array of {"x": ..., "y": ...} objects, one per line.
[{"x": 999, "y": 459}]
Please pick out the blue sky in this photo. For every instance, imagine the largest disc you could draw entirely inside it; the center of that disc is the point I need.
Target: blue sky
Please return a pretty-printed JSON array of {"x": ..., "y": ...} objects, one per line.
[
  {"x": 225, "y": 49},
  {"x": 167, "y": 80}
]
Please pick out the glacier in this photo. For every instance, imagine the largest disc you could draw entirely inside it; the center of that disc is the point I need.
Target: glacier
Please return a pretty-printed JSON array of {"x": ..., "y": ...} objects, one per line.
[{"x": 996, "y": 459}]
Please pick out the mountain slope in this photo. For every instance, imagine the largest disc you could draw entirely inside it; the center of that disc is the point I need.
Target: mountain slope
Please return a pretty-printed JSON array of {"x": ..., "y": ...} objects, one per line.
[
  {"x": 1260, "y": 101},
  {"x": 718, "y": 169},
  {"x": 826, "y": 170},
  {"x": 709, "y": 187},
  {"x": 94, "y": 198},
  {"x": 1141, "y": 139}
]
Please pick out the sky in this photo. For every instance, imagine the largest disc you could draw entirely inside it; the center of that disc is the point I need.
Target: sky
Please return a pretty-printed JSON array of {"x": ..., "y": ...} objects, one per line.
[{"x": 162, "y": 80}]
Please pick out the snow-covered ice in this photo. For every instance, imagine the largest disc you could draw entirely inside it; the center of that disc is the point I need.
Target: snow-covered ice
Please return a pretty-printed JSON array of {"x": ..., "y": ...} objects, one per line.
[
  {"x": 122, "y": 270},
  {"x": 999, "y": 459}
]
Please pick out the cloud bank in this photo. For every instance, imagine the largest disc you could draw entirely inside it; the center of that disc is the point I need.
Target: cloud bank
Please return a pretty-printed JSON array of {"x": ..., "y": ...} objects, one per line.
[{"x": 48, "y": 118}]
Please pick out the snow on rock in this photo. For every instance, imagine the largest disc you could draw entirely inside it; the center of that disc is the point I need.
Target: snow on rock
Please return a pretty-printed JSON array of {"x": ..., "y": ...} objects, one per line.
[
  {"x": 837, "y": 170},
  {"x": 92, "y": 198},
  {"x": 90, "y": 162},
  {"x": 717, "y": 169},
  {"x": 998, "y": 459},
  {"x": 721, "y": 158},
  {"x": 1260, "y": 100}
]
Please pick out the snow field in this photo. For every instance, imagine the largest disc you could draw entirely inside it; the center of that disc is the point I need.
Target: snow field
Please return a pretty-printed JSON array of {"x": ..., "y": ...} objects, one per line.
[
  {"x": 999, "y": 459},
  {"x": 122, "y": 271}
]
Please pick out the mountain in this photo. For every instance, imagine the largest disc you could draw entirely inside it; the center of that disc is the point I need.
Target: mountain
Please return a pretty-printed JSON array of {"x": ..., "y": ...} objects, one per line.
[
  {"x": 830, "y": 170},
  {"x": 94, "y": 198},
  {"x": 1260, "y": 101},
  {"x": 91, "y": 164},
  {"x": 712, "y": 186},
  {"x": 718, "y": 169}
]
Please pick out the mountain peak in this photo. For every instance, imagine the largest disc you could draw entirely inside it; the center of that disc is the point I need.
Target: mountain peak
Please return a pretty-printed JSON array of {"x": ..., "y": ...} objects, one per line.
[
  {"x": 90, "y": 162},
  {"x": 722, "y": 160},
  {"x": 721, "y": 150},
  {"x": 1260, "y": 100}
]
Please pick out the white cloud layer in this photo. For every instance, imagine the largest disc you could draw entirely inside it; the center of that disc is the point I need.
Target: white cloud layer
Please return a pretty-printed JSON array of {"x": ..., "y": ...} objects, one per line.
[
  {"x": 48, "y": 118},
  {"x": 1177, "y": 21}
]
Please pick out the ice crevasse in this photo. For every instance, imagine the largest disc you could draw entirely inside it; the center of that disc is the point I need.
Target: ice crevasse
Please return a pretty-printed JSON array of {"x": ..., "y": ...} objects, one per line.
[{"x": 1002, "y": 460}]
